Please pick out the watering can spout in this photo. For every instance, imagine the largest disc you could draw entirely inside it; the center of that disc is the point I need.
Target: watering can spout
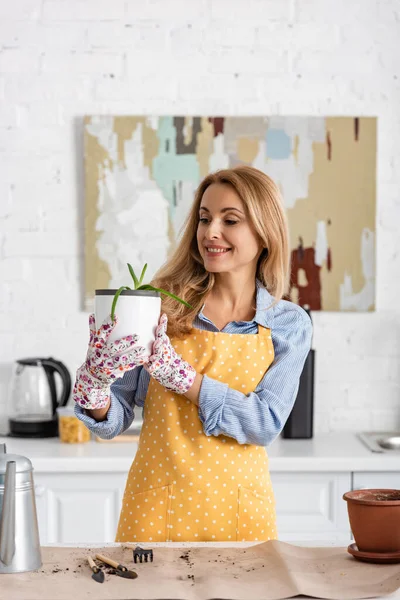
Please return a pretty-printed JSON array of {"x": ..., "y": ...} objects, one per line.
[{"x": 7, "y": 520}]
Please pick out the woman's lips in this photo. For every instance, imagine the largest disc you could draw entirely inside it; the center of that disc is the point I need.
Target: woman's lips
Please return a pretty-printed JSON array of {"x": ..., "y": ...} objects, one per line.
[{"x": 217, "y": 252}]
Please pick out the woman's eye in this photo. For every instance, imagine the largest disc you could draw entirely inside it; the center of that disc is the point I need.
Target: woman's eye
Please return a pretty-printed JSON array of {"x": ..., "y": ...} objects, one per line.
[{"x": 204, "y": 220}]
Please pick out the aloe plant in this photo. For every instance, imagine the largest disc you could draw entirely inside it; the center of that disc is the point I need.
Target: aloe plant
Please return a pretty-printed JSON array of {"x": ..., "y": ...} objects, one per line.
[{"x": 139, "y": 286}]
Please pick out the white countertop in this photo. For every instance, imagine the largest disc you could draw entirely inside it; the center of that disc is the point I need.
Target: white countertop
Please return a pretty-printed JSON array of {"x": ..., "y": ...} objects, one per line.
[{"x": 325, "y": 452}]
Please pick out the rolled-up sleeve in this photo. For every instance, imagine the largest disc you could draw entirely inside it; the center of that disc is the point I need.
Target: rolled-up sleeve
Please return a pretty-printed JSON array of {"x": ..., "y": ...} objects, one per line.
[
  {"x": 125, "y": 393},
  {"x": 258, "y": 417}
]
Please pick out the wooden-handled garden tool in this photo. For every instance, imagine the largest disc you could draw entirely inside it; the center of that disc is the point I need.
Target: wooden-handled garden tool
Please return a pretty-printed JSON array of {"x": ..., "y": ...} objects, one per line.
[
  {"x": 118, "y": 569},
  {"x": 97, "y": 574}
]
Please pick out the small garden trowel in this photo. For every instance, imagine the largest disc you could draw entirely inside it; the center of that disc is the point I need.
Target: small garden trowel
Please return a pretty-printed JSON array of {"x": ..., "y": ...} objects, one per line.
[
  {"x": 118, "y": 569},
  {"x": 97, "y": 574}
]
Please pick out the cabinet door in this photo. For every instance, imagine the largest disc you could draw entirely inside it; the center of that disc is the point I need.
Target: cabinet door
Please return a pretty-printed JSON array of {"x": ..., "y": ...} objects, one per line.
[
  {"x": 309, "y": 506},
  {"x": 376, "y": 480},
  {"x": 79, "y": 507}
]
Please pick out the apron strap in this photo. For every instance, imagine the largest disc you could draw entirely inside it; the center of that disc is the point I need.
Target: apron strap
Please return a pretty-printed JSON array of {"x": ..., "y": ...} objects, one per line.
[{"x": 265, "y": 331}]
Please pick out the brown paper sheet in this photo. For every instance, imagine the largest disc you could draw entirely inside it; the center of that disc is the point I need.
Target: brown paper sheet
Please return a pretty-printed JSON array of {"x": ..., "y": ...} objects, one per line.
[{"x": 268, "y": 571}]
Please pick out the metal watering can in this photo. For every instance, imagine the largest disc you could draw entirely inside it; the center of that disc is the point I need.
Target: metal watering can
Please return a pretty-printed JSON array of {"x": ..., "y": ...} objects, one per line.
[{"x": 19, "y": 532}]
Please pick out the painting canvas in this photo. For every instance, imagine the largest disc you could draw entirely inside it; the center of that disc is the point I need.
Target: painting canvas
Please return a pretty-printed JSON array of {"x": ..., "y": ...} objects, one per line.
[{"x": 141, "y": 174}]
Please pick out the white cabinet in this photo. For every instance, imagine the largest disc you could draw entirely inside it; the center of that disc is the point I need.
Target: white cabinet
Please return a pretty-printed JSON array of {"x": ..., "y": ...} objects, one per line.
[
  {"x": 310, "y": 505},
  {"x": 376, "y": 480},
  {"x": 85, "y": 507},
  {"x": 78, "y": 507}
]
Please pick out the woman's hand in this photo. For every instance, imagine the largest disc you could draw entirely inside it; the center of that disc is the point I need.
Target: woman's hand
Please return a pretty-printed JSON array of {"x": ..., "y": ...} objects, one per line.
[
  {"x": 105, "y": 363},
  {"x": 166, "y": 366}
]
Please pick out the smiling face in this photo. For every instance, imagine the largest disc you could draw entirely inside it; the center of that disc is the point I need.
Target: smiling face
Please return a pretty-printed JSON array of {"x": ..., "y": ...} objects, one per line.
[{"x": 226, "y": 239}]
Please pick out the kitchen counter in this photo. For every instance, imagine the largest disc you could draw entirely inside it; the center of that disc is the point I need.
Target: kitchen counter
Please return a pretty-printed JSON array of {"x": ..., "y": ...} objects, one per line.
[
  {"x": 328, "y": 571},
  {"x": 325, "y": 452},
  {"x": 309, "y": 479}
]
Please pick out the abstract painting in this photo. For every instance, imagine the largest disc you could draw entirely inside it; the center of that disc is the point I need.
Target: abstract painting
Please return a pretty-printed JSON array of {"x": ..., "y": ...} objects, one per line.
[{"x": 141, "y": 174}]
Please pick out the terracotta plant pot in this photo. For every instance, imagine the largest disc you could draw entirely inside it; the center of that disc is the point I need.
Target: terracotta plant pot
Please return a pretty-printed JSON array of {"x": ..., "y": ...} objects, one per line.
[
  {"x": 138, "y": 311},
  {"x": 374, "y": 516}
]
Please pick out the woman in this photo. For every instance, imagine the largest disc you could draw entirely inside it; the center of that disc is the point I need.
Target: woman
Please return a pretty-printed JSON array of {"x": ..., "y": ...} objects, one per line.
[{"x": 222, "y": 377}]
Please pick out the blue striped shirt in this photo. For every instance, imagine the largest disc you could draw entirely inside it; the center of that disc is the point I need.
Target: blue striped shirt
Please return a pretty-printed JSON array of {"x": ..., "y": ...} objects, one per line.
[{"x": 222, "y": 410}]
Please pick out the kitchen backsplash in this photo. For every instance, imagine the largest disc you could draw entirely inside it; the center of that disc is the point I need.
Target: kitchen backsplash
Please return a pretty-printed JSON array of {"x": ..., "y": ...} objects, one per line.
[{"x": 62, "y": 60}]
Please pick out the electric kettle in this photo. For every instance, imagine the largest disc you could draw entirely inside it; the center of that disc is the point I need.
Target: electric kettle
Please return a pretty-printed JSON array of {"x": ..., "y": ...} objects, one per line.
[
  {"x": 19, "y": 532},
  {"x": 34, "y": 397}
]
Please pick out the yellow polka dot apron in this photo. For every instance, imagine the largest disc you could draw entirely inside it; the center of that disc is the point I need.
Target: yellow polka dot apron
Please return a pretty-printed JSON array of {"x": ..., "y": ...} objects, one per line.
[{"x": 186, "y": 486}]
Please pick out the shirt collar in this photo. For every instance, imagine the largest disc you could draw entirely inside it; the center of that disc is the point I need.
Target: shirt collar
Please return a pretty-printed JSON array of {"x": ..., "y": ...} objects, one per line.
[
  {"x": 263, "y": 316},
  {"x": 264, "y": 300}
]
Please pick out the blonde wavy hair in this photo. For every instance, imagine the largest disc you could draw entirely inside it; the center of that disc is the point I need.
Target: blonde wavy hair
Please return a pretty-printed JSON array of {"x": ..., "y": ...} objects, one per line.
[{"x": 184, "y": 274}]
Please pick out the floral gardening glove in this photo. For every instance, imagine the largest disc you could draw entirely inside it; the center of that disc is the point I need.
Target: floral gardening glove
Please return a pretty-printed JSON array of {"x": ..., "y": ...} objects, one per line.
[
  {"x": 166, "y": 366},
  {"x": 105, "y": 363}
]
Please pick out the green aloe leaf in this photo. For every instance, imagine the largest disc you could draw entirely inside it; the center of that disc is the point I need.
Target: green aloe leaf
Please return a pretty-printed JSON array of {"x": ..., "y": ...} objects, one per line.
[
  {"x": 154, "y": 289},
  {"x": 115, "y": 300},
  {"x": 142, "y": 274},
  {"x": 135, "y": 279}
]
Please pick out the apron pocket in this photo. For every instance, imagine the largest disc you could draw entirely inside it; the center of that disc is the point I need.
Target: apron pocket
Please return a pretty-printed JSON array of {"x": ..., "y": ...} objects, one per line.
[
  {"x": 255, "y": 517},
  {"x": 145, "y": 516}
]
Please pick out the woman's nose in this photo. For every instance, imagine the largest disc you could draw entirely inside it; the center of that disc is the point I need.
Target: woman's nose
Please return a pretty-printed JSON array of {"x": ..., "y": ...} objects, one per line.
[{"x": 212, "y": 230}]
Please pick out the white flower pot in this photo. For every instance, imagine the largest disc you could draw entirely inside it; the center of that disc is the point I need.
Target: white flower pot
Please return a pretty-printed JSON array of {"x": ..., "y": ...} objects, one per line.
[{"x": 138, "y": 311}]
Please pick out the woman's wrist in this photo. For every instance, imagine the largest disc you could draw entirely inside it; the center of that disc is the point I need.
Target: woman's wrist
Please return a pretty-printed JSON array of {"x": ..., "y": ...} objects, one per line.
[
  {"x": 99, "y": 414},
  {"x": 193, "y": 392}
]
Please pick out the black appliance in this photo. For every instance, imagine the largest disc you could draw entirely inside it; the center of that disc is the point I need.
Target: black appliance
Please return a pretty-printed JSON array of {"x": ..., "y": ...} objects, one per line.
[
  {"x": 301, "y": 420},
  {"x": 34, "y": 397}
]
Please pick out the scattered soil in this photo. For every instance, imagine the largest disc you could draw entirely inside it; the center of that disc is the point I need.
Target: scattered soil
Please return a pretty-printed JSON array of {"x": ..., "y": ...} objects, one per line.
[{"x": 186, "y": 557}]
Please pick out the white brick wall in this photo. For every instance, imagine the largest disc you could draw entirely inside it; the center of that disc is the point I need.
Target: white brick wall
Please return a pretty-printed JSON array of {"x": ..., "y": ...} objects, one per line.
[{"x": 61, "y": 59}]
